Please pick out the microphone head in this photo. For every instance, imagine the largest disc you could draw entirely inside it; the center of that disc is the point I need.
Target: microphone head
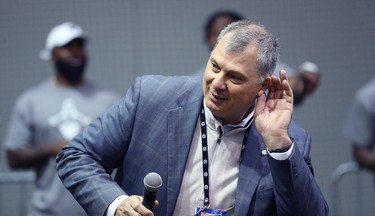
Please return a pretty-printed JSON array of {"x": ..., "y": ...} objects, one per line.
[{"x": 152, "y": 182}]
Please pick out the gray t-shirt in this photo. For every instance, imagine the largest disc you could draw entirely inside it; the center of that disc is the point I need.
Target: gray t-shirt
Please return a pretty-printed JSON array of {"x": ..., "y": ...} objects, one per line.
[
  {"x": 49, "y": 113},
  {"x": 360, "y": 125}
]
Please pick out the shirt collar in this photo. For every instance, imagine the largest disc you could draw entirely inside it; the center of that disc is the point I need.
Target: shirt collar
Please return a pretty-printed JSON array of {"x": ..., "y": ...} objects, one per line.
[{"x": 215, "y": 123}]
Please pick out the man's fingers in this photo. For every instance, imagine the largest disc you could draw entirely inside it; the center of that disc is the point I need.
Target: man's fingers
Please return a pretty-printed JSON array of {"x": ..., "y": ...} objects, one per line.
[
  {"x": 275, "y": 90},
  {"x": 259, "y": 107},
  {"x": 272, "y": 89},
  {"x": 283, "y": 75},
  {"x": 156, "y": 203},
  {"x": 133, "y": 206},
  {"x": 284, "y": 87},
  {"x": 140, "y": 208},
  {"x": 288, "y": 90}
]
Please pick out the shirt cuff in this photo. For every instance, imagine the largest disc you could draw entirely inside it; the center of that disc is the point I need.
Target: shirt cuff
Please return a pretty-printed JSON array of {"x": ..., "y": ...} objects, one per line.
[
  {"x": 113, "y": 206},
  {"x": 281, "y": 155}
]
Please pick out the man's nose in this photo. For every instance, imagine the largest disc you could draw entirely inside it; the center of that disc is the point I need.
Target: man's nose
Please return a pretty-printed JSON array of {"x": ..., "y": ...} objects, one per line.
[
  {"x": 77, "y": 51},
  {"x": 219, "y": 81}
]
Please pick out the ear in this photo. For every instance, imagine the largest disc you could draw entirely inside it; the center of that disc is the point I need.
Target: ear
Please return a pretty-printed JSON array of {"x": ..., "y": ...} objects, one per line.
[{"x": 264, "y": 86}]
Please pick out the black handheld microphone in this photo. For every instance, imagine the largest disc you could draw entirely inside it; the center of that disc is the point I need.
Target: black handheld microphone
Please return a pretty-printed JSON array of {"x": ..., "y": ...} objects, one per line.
[{"x": 152, "y": 183}]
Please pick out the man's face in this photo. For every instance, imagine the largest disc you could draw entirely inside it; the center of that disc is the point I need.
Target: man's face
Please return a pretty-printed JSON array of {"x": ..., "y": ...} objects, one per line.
[
  {"x": 70, "y": 62},
  {"x": 73, "y": 53},
  {"x": 230, "y": 83}
]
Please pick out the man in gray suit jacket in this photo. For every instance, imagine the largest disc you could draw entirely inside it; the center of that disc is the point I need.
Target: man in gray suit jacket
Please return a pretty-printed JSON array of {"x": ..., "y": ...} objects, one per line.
[{"x": 231, "y": 149}]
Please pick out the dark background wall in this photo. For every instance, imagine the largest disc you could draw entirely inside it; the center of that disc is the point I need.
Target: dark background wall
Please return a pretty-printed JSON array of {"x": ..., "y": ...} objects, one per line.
[{"x": 131, "y": 38}]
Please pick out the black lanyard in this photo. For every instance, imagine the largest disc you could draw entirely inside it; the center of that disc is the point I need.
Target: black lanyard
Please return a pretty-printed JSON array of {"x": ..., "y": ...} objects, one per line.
[{"x": 205, "y": 154}]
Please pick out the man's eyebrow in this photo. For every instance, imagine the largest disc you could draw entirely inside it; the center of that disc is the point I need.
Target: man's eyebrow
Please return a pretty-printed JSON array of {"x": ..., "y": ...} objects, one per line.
[
  {"x": 212, "y": 60},
  {"x": 237, "y": 73}
]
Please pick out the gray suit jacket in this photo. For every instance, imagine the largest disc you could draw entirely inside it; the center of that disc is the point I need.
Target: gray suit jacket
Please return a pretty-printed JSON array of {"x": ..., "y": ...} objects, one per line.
[{"x": 151, "y": 129}]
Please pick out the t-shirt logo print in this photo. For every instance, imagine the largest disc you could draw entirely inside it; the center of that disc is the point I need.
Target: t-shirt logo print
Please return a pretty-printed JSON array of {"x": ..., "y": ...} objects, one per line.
[{"x": 69, "y": 120}]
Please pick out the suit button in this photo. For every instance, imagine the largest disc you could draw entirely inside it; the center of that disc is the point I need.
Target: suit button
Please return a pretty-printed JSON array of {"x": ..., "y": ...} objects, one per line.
[{"x": 264, "y": 152}]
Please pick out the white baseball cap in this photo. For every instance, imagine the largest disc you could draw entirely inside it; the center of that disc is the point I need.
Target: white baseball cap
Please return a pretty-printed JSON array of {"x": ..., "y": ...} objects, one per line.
[{"x": 61, "y": 35}]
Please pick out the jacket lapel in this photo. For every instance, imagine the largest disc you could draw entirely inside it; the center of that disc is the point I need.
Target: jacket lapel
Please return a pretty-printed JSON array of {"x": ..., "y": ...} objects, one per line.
[
  {"x": 181, "y": 126},
  {"x": 250, "y": 172}
]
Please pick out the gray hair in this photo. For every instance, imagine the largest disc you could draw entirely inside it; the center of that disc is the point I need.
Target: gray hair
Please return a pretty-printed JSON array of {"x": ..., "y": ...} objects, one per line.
[{"x": 246, "y": 32}]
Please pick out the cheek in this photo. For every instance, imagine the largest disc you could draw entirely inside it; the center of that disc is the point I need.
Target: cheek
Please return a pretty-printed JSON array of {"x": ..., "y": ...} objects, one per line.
[
  {"x": 64, "y": 55},
  {"x": 205, "y": 87},
  {"x": 207, "y": 79},
  {"x": 246, "y": 95}
]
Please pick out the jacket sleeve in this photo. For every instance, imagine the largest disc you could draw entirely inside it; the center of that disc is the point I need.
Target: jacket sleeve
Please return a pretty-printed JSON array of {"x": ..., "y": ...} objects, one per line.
[
  {"x": 85, "y": 164},
  {"x": 296, "y": 190}
]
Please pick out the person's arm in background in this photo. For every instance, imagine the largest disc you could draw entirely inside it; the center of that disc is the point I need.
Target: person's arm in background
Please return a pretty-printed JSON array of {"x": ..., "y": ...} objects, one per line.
[
  {"x": 30, "y": 156},
  {"x": 21, "y": 152}
]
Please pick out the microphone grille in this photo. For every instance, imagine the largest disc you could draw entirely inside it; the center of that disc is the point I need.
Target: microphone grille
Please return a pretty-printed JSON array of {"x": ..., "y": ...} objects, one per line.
[{"x": 152, "y": 182}]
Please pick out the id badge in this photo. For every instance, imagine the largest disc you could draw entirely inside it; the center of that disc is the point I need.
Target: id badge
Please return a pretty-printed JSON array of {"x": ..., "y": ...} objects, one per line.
[{"x": 210, "y": 212}]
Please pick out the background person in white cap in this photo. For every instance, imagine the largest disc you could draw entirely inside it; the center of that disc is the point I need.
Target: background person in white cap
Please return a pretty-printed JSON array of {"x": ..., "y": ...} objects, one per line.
[{"x": 46, "y": 117}]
